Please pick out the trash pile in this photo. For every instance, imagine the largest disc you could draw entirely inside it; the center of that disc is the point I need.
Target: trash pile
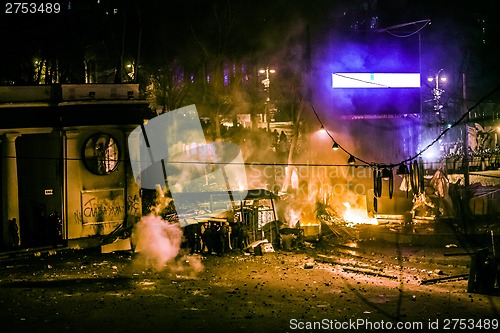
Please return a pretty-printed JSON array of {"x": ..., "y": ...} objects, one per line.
[{"x": 259, "y": 248}]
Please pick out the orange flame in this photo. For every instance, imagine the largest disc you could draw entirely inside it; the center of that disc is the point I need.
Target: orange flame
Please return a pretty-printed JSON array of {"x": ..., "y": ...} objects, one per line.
[
  {"x": 357, "y": 215},
  {"x": 293, "y": 217}
]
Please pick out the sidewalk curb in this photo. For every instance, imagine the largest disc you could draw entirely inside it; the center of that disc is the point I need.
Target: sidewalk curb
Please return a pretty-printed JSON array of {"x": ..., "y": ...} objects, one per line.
[{"x": 13, "y": 255}]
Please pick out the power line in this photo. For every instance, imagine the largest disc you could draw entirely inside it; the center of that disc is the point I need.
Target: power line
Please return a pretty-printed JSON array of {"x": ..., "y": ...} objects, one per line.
[
  {"x": 362, "y": 81},
  {"x": 403, "y": 25},
  {"x": 418, "y": 154},
  {"x": 207, "y": 163}
]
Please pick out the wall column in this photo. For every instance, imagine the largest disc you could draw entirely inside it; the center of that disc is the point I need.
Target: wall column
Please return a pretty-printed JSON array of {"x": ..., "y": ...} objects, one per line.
[
  {"x": 71, "y": 195},
  {"x": 10, "y": 188}
]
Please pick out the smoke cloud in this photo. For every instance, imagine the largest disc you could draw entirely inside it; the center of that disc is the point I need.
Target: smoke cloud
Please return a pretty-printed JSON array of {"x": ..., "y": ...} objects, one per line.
[
  {"x": 158, "y": 247},
  {"x": 157, "y": 242}
]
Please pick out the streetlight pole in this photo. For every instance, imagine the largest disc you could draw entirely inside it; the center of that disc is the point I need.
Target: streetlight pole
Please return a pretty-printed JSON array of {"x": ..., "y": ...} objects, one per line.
[
  {"x": 267, "y": 82},
  {"x": 437, "y": 93},
  {"x": 465, "y": 135}
]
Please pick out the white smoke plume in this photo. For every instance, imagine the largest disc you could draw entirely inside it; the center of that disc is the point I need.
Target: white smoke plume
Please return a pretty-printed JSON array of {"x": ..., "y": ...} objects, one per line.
[
  {"x": 157, "y": 242},
  {"x": 158, "y": 246}
]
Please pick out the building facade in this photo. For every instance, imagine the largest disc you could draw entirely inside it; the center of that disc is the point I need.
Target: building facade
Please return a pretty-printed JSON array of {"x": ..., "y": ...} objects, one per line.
[{"x": 65, "y": 173}]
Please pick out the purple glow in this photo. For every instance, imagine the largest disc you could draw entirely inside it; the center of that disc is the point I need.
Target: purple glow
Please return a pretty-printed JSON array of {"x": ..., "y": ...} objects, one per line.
[
  {"x": 376, "y": 124},
  {"x": 376, "y": 80}
]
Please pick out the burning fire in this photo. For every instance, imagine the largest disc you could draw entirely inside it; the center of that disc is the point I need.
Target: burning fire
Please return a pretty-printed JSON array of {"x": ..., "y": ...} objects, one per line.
[
  {"x": 293, "y": 217},
  {"x": 357, "y": 215}
]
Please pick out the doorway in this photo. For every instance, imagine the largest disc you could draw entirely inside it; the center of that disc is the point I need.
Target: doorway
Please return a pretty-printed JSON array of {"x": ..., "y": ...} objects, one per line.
[{"x": 40, "y": 176}]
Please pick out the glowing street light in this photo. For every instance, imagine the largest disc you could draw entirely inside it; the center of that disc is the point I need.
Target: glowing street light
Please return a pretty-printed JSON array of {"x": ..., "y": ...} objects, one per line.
[
  {"x": 437, "y": 91},
  {"x": 266, "y": 82}
]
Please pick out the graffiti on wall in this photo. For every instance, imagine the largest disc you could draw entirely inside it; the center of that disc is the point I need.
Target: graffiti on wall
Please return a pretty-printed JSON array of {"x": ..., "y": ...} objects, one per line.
[
  {"x": 104, "y": 205},
  {"x": 134, "y": 205}
]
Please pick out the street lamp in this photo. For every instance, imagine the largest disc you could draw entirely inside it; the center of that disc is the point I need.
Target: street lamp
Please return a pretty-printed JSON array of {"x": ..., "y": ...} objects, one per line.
[
  {"x": 267, "y": 82},
  {"x": 437, "y": 91}
]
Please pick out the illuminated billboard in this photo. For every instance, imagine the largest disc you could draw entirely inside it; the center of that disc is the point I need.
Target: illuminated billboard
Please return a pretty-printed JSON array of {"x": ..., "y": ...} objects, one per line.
[
  {"x": 376, "y": 80},
  {"x": 374, "y": 74},
  {"x": 374, "y": 93}
]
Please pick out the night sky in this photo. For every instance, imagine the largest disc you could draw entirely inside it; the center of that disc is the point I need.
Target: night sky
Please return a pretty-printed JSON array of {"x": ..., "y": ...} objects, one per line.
[{"x": 462, "y": 37}]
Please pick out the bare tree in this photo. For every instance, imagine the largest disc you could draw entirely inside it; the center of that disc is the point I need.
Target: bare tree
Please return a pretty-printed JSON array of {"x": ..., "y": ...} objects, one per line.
[
  {"x": 167, "y": 88},
  {"x": 216, "y": 91}
]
